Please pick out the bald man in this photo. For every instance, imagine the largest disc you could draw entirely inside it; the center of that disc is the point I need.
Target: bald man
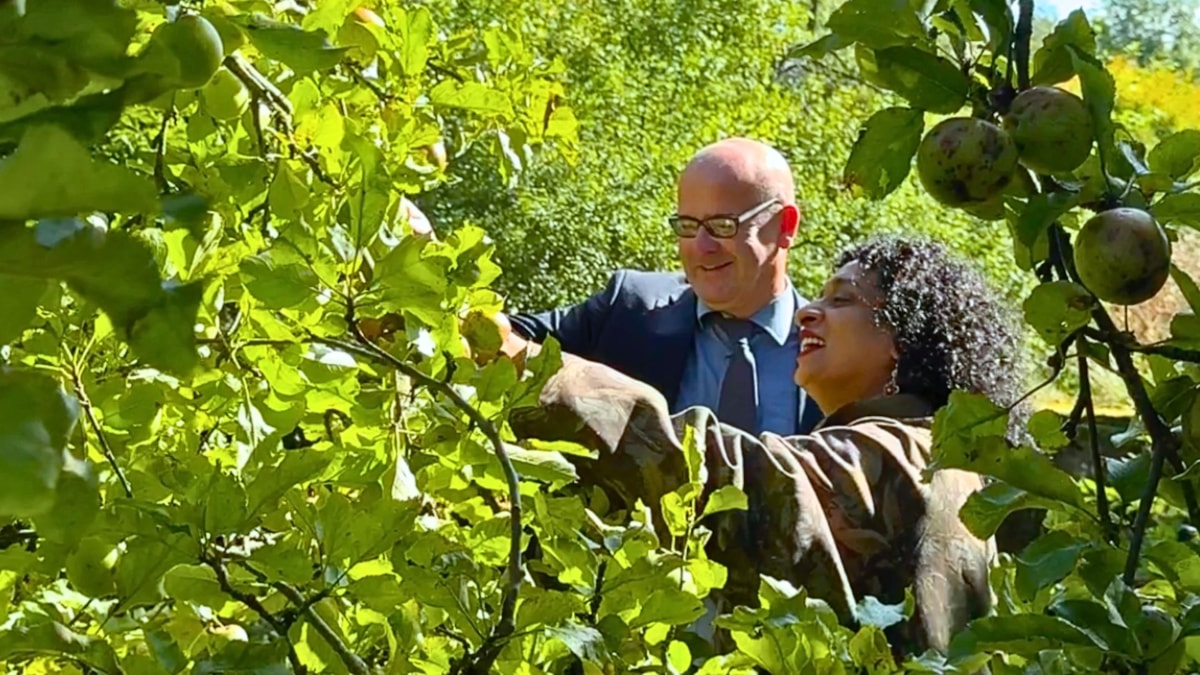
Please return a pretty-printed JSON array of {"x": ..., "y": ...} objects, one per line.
[{"x": 721, "y": 334}]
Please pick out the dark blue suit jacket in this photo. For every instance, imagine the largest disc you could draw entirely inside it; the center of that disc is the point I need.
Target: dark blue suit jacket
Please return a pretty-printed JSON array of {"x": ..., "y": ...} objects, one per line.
[{"x": 642, "y": 324}]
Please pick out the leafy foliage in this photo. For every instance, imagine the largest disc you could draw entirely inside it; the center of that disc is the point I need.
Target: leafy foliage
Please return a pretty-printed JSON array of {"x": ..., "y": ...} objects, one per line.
[
  {"x": 251, "y": 414},
  {"x": 651, "y": 83}
]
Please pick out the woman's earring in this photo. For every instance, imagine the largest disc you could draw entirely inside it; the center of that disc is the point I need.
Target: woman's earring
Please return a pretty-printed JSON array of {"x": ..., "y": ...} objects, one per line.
[{"x": 891, "y": 388}]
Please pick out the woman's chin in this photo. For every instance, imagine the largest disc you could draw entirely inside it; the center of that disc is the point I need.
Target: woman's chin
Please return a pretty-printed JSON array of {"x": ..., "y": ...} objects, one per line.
[{"x": 803, "y": 377}]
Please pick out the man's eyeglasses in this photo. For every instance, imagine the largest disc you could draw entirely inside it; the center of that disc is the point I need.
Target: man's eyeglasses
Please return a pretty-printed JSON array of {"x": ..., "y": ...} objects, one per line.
[{"x": 720, "y": 227}]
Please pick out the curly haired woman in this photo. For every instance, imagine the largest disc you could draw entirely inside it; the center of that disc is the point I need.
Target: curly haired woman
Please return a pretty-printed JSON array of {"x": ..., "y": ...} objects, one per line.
[
  {"x": 844, "y": 511},
  {"x": 900, "y": 325}
]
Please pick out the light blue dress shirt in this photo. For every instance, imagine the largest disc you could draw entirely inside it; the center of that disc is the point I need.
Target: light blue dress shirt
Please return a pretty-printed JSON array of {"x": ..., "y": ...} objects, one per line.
[{"x": 775, "y": 348}]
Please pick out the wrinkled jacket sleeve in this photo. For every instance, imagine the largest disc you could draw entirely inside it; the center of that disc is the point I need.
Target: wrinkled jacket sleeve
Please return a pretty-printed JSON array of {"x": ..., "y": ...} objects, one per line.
[
  {"x": 861, "y": 485},
  {"x": 843, "y": 512}
]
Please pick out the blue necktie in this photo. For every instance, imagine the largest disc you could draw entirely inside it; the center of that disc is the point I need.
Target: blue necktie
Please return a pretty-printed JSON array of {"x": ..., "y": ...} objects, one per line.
[{"x": 738, "y": 403}]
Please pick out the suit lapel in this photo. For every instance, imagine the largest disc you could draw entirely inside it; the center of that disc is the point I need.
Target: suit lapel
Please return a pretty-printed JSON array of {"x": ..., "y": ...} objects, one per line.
[{"x": 672, "y": 332}]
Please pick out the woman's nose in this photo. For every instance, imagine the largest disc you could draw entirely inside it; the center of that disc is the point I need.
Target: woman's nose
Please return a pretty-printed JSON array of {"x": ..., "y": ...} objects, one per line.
[{"x": 807, "y": 314}]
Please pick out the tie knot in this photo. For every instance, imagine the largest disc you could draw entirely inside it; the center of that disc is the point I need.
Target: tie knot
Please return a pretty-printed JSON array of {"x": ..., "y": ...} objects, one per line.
[{"x": 734, "y": 330}]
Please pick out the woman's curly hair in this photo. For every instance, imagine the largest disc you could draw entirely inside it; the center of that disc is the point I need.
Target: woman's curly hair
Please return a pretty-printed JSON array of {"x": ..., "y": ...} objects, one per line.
[{"x": 950, "y": 329}]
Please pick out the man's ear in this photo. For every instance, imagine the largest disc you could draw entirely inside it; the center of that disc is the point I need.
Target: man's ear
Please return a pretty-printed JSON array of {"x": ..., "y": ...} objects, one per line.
[{"x": 789, "y": 222}]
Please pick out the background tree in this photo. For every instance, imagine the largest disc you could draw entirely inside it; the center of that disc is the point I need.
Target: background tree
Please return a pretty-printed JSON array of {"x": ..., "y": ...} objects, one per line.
[
  {"x": 1151, "y": 30},
  {"x": 651, "y": 82}
]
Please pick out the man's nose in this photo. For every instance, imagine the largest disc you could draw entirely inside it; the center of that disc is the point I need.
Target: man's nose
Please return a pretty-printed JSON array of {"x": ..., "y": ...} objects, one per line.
[{"x": 706, "y": 242}]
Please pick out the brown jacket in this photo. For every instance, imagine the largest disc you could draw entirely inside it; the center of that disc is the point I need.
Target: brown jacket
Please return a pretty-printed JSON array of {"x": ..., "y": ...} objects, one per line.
[{"x": 844, "y": 511}]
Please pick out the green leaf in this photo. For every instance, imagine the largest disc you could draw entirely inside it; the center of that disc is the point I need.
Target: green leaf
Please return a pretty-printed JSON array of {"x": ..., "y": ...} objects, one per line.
[
  {"x": 495, "y": 380},
  {"x": 1040, "y": 212},
  {"x": 50, "y": 174},
  {"x": 1017, "y": 634},
  {"x": 727, "y": 498},
  {"x": 1092, "y": 619},
  {"x": 1185, "y": 328},
  {"x": 1048, "y": 560},
  {"x": 671, "y": 606},
  {"x": 1056, "y": 309},
  {"x": 1046, "y": 428},
  {"x": 18, "y": 304},
  {"x": 471, "y": 96},
  {"x": 76, "y": 503},
  {"x": 986, "y": 510},
  {"x": 414, "y": 29},
  {"x": 165, "y": 337},
  {"x": 1053, "y": 61},
  {"x": 778, "y": 650},
  {"x": 1177, "y": 155},
  {"x": 302, "y": 51},
  {"x": 1099, "y": 95},
  {"x": 679, "y": 657},
  {"x": 821, "y": 47},
  {"x": 408, "y": 280},
  {"x": 877, "y": 24},
  {"x": 1182, "y": 208},
  {"x": 118, "y": 272},
  {"x": 584, "y": 642},
  {"x": 882, "y": 154},
  {"x": 999, "y": 19},
  {"x": 870, "y": 650},
  {"x": 929, "y": 82},
  {"x": 1187, "y": 286},
  {"x": 36, "y": 419},
  {"x": 968, "y": 433},
  {"x": 278, "y": 286},
  {"x": 872, "y": 612},
  {"x": 51, "y": 637},
  {"x": 194, "y": 583},
  {"x": 224, "y": 505},
  {"x": 141, "y": 567},
  {"x": 547, "y": 608},
  {"x": 541, "y": 465},
  {"x": 965, "y": 420}
]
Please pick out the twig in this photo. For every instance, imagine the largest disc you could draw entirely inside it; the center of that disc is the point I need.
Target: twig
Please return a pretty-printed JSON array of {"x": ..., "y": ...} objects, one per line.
[
  {"x": 255, "y": 342},
  {"x": 1169, "y": 351},
  {"x": 277, "y": 624},
  {"x": 443, "y": 71},
  {"x": 1024, "y": 35},
  {"x": 1162, "y": 440},
  {"x": 375, "y": 88},
  {"x": 351, "y": 660},
  {"x": 261, "y": 89},
  {"x": 1071, "y": 427},
  {"x": 90, "y": 413},
  {"x": 160, "y": 149},
  {"x": 1085, "y": 396},
  {"x": 597, "y": 596},
  {"x": 489, "y": 650}
]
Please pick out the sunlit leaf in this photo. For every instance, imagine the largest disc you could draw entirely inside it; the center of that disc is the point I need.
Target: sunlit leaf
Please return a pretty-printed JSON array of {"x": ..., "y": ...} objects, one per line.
[
  {"x": 882, "y": 154},
  {"x": 727, "y": 498},
  {"x": 36, "y": 418},
  {"x": 1176, "y": 155},
  {"x": 302, "y": 51},
  {"x": 50, "y": 175},
  {"x": 986, "y": 510},
  {"x": 470, "y": 96},
  {"x": 929, "y": 82},
  {"x": 1047, "y": 560},
  {"x": 877, "y": 24},
  {"x": 1058, "y": 308}
]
